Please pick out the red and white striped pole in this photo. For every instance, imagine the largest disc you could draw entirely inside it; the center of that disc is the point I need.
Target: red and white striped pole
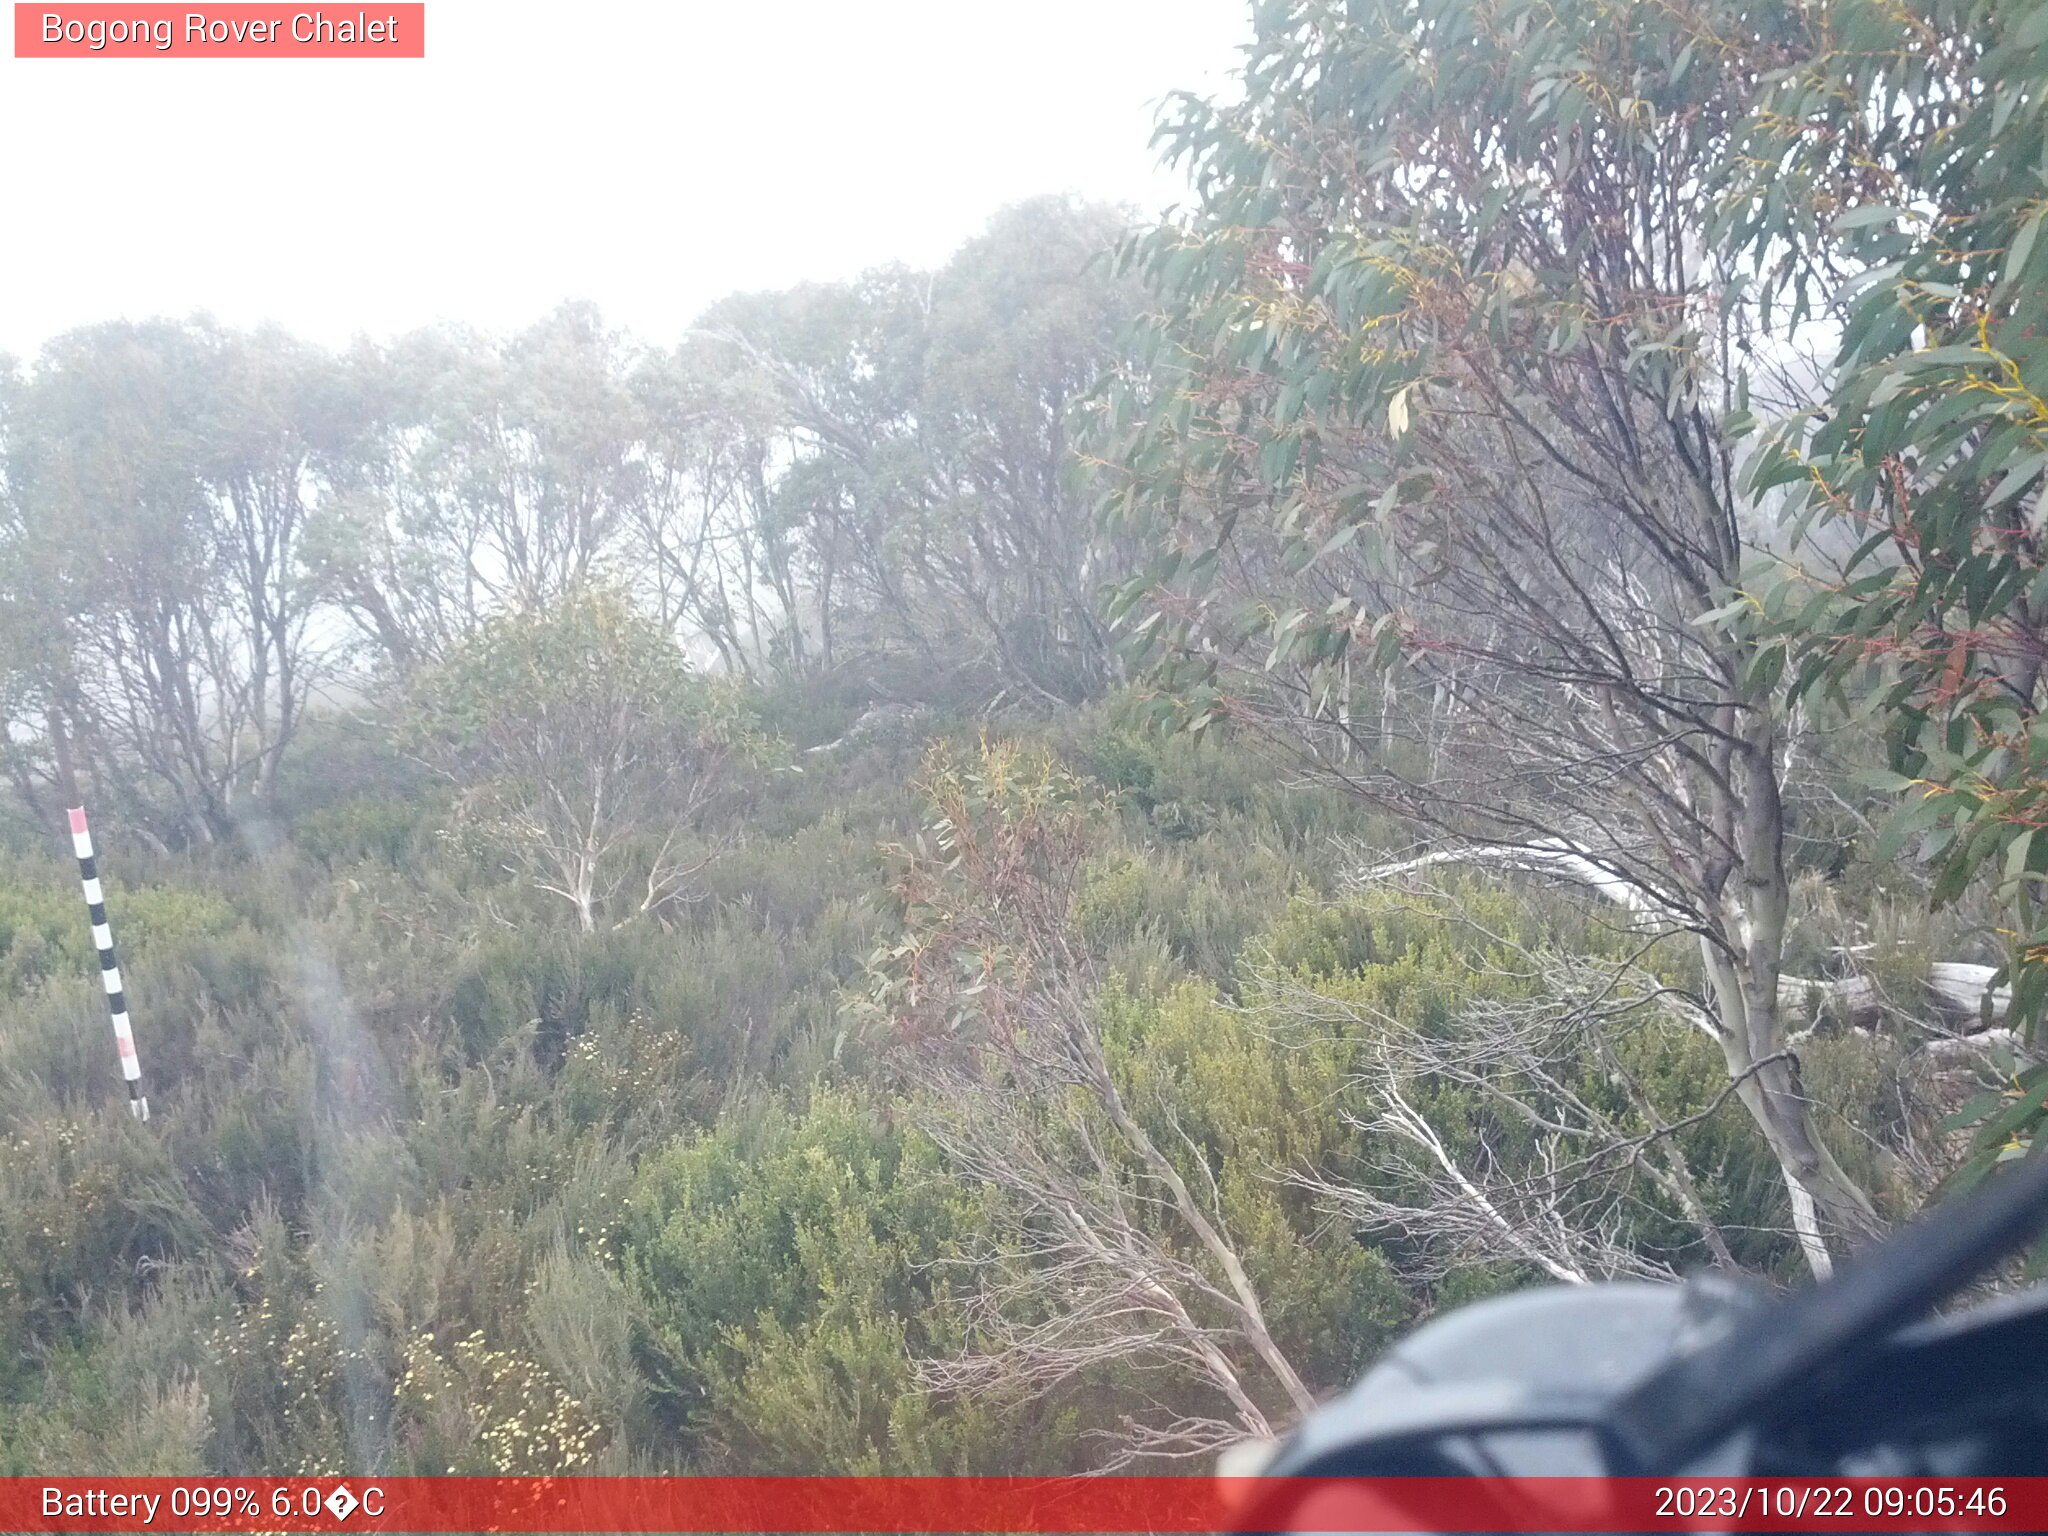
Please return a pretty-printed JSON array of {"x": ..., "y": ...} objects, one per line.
[{"x": 110, "y": 973}]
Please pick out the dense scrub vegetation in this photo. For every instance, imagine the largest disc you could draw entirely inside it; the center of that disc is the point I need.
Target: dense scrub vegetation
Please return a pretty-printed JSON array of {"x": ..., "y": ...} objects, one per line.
[
  {"x": 1017, "y": 867},
  {"x": 437, "y": 1180}
]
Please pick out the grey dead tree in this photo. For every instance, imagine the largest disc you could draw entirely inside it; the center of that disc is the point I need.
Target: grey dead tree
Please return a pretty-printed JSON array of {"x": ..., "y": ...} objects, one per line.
[
  {"x": 1109, "y": 1254},
  {"x": 1538, "y": 1050},
  {"x": 585, "y": 751},
  {"x": 1109, "y": 1251}
]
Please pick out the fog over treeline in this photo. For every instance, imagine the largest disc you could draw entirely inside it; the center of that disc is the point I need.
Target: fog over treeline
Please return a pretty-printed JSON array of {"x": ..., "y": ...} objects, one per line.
[
  {"x": 224, "y": 527},
  {"x": 1017, "y": 867}
]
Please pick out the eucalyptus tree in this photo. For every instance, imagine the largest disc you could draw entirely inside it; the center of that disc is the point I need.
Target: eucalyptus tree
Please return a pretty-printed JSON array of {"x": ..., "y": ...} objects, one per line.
[
  {"x": 1430, "y": 448},
  {"x": 1890, "y": 195},
  {"x": 823, "y": 473},
  {"x": 161, "y": 478},
  {"x": 1024, "y": 319},
  {"x": 909, "y": 487},
  {"x": 705, "y": 556},
  {"x": 492, "y": 478},
  {"x": 1900, "y": 214}
]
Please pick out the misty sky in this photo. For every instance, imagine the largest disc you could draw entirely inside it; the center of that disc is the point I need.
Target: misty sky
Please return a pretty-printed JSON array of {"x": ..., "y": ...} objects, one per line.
[{"x": 649, "y": 156}]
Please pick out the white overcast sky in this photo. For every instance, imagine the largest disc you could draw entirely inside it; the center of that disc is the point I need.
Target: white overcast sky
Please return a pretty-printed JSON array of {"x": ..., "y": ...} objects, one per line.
[{"x": 651, "y": 157}]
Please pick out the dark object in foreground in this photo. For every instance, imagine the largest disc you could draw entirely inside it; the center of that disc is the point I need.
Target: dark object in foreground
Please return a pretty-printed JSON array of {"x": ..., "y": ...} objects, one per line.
[{"x": 1849, "y": 1378}]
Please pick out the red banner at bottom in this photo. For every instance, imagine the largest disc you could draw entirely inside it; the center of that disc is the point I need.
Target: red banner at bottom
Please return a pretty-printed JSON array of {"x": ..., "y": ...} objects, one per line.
[{"x": 1002, "y": 1504}]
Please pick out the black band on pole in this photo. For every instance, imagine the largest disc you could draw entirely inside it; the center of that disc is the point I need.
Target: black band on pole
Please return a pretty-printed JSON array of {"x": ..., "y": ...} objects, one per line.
[{"x": 110, "y": 970}]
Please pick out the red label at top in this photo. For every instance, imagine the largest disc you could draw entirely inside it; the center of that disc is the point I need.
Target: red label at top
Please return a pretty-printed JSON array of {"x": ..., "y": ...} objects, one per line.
[{"x": 46, "y": 31}]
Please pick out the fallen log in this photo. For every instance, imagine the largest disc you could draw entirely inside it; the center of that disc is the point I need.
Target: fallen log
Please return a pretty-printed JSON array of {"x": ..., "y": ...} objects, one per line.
[{"x": 1960, "y": 990}]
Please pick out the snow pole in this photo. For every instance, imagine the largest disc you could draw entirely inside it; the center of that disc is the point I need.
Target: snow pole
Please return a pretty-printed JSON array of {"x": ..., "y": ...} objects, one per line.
[{"x": 110, "y": 973}]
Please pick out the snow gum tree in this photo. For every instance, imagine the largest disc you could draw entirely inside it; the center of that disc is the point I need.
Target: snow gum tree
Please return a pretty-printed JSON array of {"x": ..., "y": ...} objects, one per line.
[{"x": 1433, "y": 451}]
